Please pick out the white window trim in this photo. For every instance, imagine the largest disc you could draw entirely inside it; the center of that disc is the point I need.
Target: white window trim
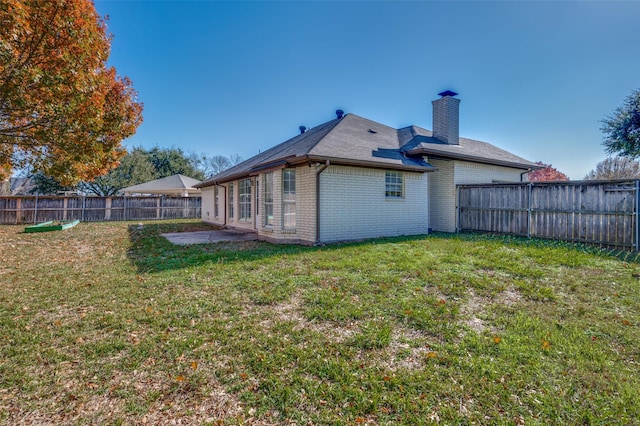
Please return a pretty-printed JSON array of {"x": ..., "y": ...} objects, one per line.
[
  {"x": 244, "y": 200},
  {"x": 267, "y": 189},
  {"x": 289, "y": 202},
  {"x": 387, "y": 184},
  {"x": 231, "y": 201}
]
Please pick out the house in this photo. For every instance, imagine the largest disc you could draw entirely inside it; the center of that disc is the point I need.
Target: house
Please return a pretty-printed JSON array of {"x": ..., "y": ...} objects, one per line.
[
  {"x": 353, "y": 178},
  {"x": 21, "y": 185},
  {"x": 175, "y": 185}
]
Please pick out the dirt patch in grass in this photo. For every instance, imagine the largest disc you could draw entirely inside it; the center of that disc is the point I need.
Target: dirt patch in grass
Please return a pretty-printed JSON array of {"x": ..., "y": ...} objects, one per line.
[
  {"x": 407, "y": 350},
  {"x": 292, "y": 310},
  {"x": 172, "y": 404},
  {"x": 475, "y": 307}
]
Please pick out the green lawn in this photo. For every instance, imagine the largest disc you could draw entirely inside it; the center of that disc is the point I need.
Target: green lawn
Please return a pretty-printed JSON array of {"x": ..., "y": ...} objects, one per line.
[{"x": 106, "y": 323}]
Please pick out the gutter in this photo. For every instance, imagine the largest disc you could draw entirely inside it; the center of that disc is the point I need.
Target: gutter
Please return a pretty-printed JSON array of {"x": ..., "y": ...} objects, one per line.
[
  {"x": 472, "y": 158},
  {"x": 322, "y": 169},
  {"x": 304, "y": 159},
  {"x": 360, "y": 163}
]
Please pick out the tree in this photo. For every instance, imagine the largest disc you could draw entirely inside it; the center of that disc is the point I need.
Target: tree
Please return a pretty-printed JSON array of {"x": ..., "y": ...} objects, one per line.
[
  {"x": 46, "y": 185},
  {"x": 615, "y": 168},
  {"x": 211, "y": 166},
  {"x": 63, "y": 112},
  {"x": 622, "y": 128},
  {"x": 137, "y": 166},
  {"x": 134, "y": 168},
  {"x": 547, "y": 173},
  {"x": 172, "y": 161}
]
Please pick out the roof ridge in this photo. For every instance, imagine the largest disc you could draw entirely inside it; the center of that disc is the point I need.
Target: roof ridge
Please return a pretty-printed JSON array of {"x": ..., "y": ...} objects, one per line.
[
  {"x": 272, "y": 153},
  {"x": 307, "y": 134}
]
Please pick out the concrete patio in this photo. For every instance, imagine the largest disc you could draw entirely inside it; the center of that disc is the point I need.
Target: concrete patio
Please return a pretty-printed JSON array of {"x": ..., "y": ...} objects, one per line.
[{"x": 208, "y": 237}]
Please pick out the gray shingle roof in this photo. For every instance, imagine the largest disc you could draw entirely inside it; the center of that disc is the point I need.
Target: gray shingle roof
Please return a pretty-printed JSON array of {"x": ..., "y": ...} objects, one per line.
[
  {"x": 354, "y": 140},
  {"x": 419, "y": 141},
  {"x": 164, "y": 185}
]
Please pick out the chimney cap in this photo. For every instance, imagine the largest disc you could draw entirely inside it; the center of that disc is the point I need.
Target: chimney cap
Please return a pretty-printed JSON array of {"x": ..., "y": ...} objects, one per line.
[{"x": 447, "y": 93}]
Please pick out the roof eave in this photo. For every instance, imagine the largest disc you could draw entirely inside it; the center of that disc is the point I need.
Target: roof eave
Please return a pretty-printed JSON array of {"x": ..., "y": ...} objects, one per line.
[
  {"x": 295, "y": 161},
  {"x": 368, "y": 164},
  {"x": 430, "y": 153}
]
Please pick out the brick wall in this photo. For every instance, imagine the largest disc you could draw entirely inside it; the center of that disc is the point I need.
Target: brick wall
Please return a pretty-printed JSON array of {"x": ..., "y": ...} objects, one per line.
[
  {"x": 442, "y": 187},
  {"x": 353, "y": 205},
  {"x": 442, "y": 196},
  {"x": 207, "y": 211},
  {"x": 305, "y": 230},
  {"x": 468, "y": 172},
  {"x": 445, "y": 119}
]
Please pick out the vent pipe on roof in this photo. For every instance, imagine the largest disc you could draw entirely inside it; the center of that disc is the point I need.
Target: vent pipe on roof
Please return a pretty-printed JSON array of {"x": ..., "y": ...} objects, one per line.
[
  {"x": 339, "y": 113},
  {"x": 446, "y": 115},
  {"x": 302, "y": 129}
]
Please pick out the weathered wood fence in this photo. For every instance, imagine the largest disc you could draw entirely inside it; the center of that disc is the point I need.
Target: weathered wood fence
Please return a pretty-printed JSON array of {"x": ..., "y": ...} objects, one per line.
[
  {"x": 604, "y": 213},
  {"x": 35, "y": 209}
]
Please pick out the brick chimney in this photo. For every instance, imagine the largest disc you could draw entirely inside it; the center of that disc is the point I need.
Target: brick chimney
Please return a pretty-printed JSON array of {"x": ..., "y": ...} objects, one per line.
[{"x": 446, "y": 113}]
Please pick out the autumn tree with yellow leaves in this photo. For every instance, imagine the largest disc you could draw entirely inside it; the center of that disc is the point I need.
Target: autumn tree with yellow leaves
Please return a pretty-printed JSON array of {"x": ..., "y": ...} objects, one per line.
[{"x": 62, "y": 110}]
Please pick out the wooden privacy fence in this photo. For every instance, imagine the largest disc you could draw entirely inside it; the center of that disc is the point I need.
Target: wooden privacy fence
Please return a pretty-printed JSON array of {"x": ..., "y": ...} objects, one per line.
[
  {"x": 35, "y": 209},
  {"x": 594, "y": 212}
]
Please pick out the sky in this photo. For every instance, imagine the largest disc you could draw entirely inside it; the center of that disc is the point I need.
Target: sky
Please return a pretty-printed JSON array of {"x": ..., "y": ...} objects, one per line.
[{"x": 238, "y": 77}]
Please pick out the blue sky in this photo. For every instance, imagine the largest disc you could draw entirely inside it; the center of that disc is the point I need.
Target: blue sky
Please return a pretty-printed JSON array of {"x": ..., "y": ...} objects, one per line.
[{"x": 535, "y": 78}]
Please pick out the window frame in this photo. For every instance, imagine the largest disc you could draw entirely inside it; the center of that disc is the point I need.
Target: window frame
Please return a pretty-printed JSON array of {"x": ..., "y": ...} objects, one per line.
[
  {"x": 289, "y": 199},
  {"x": 267, "y": 199},
  {"x": 244, "y": 199},
  {"x": 393, "y": 184},
  {"x": 230, "y": 201}
]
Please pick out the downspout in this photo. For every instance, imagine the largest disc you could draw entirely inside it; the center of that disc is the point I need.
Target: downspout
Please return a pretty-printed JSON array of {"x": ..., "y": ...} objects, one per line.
[{"x": 320, "y": 170}]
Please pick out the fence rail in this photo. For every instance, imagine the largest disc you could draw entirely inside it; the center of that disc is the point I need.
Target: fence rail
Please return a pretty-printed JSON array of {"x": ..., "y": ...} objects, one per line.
[
  {"x": 35, "y": 209},
  {"x": 604, "y": 213}
]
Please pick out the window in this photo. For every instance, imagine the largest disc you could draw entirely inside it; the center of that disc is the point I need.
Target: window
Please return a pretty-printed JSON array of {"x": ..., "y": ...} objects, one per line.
[
  {"x": 216, "y": 199},
  {"x": 393, "y": 184},
  {"x": 244, "y": 199},
  {"x": 268, "y": 199},
  {"x": 289, "y": 198},
  {"x": 231, "y": 200}
]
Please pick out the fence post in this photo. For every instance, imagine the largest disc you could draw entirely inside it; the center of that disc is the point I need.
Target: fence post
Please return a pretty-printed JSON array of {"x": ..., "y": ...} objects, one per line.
[
  {"x": 84, "y": 198},
  {"x": 529, "y": 192},
  {"x": 637, "y": 214},
  {"x": 457, "y": 208},
  {"x": 18, "y": 210},
  {"x": 35, "y": 211}
]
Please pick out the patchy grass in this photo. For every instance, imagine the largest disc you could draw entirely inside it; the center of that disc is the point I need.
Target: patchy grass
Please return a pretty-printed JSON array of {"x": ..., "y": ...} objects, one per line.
[{"x": 109, "y": 323}]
